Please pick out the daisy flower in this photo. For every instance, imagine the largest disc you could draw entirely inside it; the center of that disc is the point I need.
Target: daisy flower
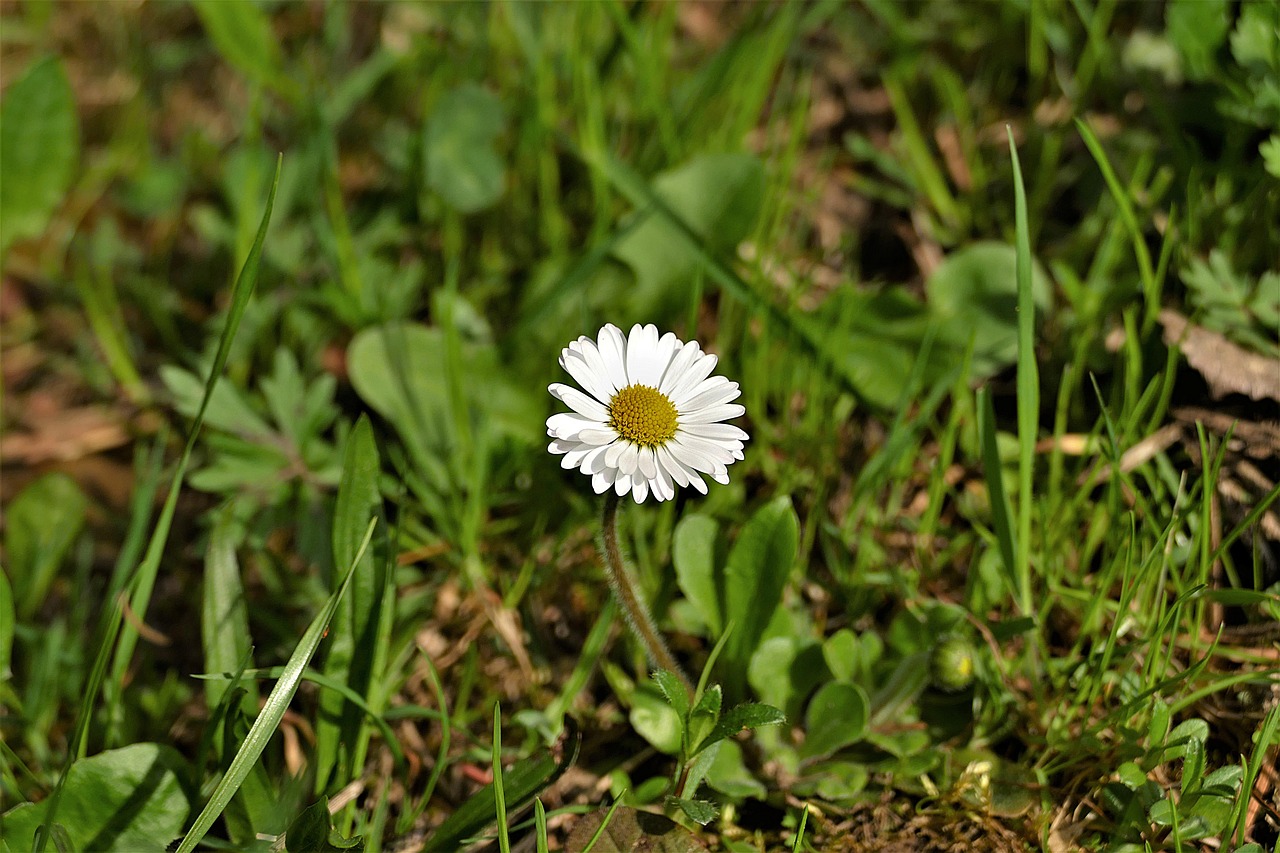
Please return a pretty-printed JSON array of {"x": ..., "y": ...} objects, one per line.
[{"x": 650, "y": 419}]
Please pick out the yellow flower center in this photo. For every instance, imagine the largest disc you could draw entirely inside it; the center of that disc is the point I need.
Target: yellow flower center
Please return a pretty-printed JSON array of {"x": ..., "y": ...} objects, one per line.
[{"x": 643, "y": 415}]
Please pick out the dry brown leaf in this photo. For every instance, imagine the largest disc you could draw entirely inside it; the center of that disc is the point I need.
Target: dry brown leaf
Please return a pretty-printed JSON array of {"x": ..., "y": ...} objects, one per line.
[{"x": 1228, "y": 368}]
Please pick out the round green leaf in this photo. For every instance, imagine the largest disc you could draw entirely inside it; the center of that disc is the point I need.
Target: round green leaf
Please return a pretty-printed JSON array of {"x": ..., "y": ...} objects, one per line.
[
  {"x": 837, "y": 716},
  {"x": 973, "y": 293},
  {"x": 130, "y": 800}
]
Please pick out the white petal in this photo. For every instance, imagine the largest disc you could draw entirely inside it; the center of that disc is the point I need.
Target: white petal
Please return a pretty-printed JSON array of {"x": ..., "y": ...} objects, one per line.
[
  {"x": 710, "y": 392},
  {"x": 646, "y": 463},
  {"x": 622, "y": 485},
  {"x": 639, "y": 489},
  {"x": 642, "y": 352},
  {"x": 614, "y": 453},
  {"x": 567, "y": 425},
  {"x": 691, "y": 457},
  {"x": 613, "y": 351},
  {"x": 590, "y": 353},
  {"x": 602, "y": 480},
  {"x": 715, "y": 413},
  {"x": 727, "y": 432},
  {"x": 699, "y": 370},
  {"x": 593, "y": 461},
  {"x": 684, "y": 356},
  {"x": 709, "y": 449},
  {"x": 661, "y": 484},
  {"x": 629, "y": 460},
  {"x": 579, "y": 402},
  {"x": 721, "y": 476},
  {"x": 595, "y": 384},
  {"x": 673, "y": 468},
  {"x": 598, "y": 436}
]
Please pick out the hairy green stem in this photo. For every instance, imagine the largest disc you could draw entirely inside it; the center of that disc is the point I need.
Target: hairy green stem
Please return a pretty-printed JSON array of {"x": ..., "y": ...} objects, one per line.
[{"x": 627, "y": 591}]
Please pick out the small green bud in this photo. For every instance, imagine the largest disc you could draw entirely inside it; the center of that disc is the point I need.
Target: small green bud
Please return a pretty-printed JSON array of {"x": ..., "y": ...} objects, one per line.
[{"x": 951, "y": 665}]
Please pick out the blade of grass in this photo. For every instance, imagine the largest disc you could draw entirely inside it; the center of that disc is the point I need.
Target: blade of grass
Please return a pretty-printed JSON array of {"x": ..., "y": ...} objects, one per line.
[
  {"x": 273, "y": 709},
  {"x": 499, "y": 793},
  {"x": 1128, "y": 217},
  {"x": 143, "y": 581},
  {"x": 519, "y": 785},
  {"x": 1028, "y": 385},
  {"x": 1000, "y": 516},
  {"x": 111, "y": 626}
]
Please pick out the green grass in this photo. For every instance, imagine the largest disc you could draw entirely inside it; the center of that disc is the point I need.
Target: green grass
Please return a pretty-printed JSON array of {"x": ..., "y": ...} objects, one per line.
[{"x": 996, "y": 551}]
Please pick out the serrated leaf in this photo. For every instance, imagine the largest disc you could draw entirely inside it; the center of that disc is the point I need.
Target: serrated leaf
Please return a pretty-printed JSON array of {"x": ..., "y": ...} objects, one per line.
[
  {"x": 750, "y": 715},
  {"x": 673, "y": 688},
  {"x": 39, "y": 147},
  {"x": 699, "y": 811}
]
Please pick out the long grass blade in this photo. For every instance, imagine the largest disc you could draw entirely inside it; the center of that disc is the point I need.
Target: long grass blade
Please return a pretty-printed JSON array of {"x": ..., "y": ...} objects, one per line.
[
  {"x": 1028, "y": 384},
  {"x": 272, "y": 710}
]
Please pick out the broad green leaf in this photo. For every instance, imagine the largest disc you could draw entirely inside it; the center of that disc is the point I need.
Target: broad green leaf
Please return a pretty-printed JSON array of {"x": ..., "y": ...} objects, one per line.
[
  {"x": 655, "y": 720},
  {"x": 698, "y": 569},
  {"x": 461, "y": 162},
  {"x": 625, "y": 830},
  {"x": 874, "y": 341},
  {"x": 224, "y": 618},
  {"x": 718, "y": 196},
  {"x": 399, "y": 370},
  {"x": 39, "y": 147},
  {"x": 729, "y": 775},
  {"x": 1182, "y": 737},
  {"x": 837, "y": 717},
  {"x": 41, "y": 524},
  {"x": 755, "y": 575},
  {"x": 131, "y": 800},
  {"x": 840, "y": 652},
  {"x": 973, "y": 293}
]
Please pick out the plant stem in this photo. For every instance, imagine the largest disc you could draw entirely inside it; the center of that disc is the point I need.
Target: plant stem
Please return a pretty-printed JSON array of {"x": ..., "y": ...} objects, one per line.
[{"x": 627, "y": 591}]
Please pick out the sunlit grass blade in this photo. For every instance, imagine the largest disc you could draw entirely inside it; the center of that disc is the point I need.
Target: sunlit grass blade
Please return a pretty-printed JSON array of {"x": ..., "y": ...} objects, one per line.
[
  {"x": 1124, "y": 206},
  {"x": 1028, "y": 385},
  {"x": 112, "y": 627},
  {"x": 273, "y": 709},
  {"x": 143, "y": 581}
]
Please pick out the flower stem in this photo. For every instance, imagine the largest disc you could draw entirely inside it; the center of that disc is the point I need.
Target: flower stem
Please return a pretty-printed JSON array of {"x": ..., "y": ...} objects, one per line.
[{"x": 627, "y": 591}]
